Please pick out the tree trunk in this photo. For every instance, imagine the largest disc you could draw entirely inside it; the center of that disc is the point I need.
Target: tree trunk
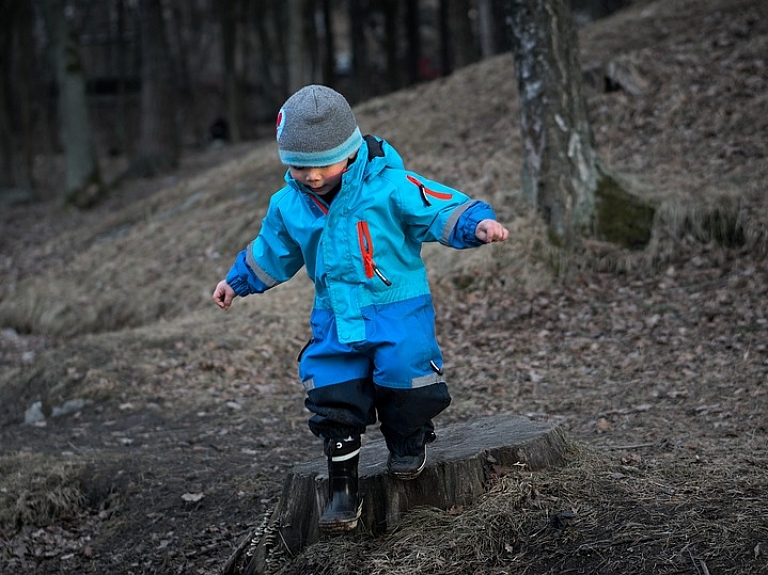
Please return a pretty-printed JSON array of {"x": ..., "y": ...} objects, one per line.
[
  {"x": 329, "y": 45},
  {"x": 392, "y": 44},
  {"x": 229, "y": 17},
  {"x": 560, "y": 167},
  {"x": 358, "y": 12},
  {"x": 298, "y": 63},
  {"x": 446, "y": 43},
  {"x": 562, "y": 176},
  {"x": 16, "y": 49},
  {"x": 463, "y": 48},
  {"x": 492, "y": 28},
  {"x": 413, "y": 41},
  {"x": 263, "y": 17},
  {"x": 121, "y": 139},
  {"x": 460, "y": 467},
  {"x": 159, "y": 139},
  {"x": 83, "y": 186}
]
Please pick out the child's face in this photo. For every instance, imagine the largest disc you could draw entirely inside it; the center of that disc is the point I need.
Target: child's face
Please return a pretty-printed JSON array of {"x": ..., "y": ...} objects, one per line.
[{"x": 320, "y": 180}]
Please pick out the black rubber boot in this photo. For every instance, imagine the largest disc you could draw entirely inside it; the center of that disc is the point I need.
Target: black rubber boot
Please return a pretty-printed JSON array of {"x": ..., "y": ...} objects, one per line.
[
  {"x": 408, "y": 466},
  {"x": 344, "y": 506}
]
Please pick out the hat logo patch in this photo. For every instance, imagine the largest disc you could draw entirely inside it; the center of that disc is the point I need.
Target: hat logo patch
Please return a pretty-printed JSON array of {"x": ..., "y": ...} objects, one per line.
[{"x": 280, "y": 122}]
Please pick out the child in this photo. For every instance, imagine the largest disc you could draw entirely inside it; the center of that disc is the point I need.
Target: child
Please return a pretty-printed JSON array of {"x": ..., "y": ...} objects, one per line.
[{"x": 356, "y": 219}]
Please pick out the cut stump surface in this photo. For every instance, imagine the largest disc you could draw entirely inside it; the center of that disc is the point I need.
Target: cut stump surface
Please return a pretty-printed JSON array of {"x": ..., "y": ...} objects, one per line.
[{"x": 459, "y": 466}]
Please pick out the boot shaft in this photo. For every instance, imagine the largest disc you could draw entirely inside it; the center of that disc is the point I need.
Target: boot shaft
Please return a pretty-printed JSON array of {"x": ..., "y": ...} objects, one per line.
[{"x": 343, "y": 508}]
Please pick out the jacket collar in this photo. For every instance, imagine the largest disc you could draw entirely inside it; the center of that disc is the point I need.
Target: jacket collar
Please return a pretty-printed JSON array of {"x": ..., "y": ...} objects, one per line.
[{"x": 369, "y": 162}]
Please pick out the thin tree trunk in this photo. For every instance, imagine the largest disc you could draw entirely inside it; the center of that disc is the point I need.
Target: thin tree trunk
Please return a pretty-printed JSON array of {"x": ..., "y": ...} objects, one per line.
[
  {"x": 491, "y": 28},
  {"x": 16, "y": 50},
  {"x": 463, "y": 47},
  {"x": 329, "y": 43},
  {"x": 360, "y": 69},
  {"x": 120, "y": 133},
  {"x": 229, "y": 18},
  {"x": 299, "y": 69},
  {"x": 159, "y": 140},
  {"x": 485, "y": 25},
  {"x": 413, "y": 40},
  {"x": 260, "y": 12},
  {"x": 392, "y": 43},
  {"x": 83, "y": 186},
  {"x": 446, "y": 41}
]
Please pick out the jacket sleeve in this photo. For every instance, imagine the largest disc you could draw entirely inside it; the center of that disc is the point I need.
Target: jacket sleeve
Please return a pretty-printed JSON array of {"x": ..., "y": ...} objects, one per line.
[
  {"x": 270, "y": 259},
  {"x": 434, "y": 212},
  {"x": 462, "y": 234}
]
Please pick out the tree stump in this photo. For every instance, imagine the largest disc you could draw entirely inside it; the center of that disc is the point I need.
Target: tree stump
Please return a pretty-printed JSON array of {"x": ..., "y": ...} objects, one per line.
[{"x": 459, "y": 467}]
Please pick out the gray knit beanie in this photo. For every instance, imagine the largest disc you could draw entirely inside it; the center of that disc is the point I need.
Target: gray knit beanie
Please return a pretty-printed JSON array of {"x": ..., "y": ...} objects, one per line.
[{"x": 316, "y": 127}]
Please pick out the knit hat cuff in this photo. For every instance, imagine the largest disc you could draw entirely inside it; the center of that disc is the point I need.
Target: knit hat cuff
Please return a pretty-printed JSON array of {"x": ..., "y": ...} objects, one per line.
[{"x": 345, "y": 150}]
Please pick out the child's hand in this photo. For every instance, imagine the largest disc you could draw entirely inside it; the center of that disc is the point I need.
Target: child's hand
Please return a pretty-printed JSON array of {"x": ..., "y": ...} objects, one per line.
[
  {"x": 488, "y": 231},
  {"x": 223, "y": 295}
]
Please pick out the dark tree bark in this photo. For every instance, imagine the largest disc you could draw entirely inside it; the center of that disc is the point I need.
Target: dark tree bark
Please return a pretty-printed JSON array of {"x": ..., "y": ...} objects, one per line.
[
  {"x": 358, "y": 13},
  {"x": 391, "y": 11},
  {"x": 229, "y": 17},
  {"x": 120, "y": 133},
  {"x": 413, "y": 41},
  {"x": 560, "y": 167},
  {"x": 298, "y": 43},
  {"x": 562, "y": 176},
  {"x": 159, "y": 140},
  {"x": 260, "y": 13},
  {"x": 16, "y": 51},
  {"x": 190, "y": 43},
  {"x": 462, "y": 48},
  {"x": 446, "y": 44},
  {"x": 329, "y": 41},
  {"x": 492, "y": 28},
  {"x": 83, "y": 186}
]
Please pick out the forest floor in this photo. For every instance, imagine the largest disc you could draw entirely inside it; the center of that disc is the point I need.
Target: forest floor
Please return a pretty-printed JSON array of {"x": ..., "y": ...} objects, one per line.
[{"x": 144, "y": 431}]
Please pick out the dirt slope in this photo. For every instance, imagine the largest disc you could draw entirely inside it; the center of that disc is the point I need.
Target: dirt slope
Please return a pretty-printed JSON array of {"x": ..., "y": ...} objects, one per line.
[{"x": 166, "y": 426}]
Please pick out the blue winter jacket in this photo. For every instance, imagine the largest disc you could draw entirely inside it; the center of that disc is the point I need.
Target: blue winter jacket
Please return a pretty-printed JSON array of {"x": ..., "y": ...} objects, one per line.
[{"x": 365, "y": 247}]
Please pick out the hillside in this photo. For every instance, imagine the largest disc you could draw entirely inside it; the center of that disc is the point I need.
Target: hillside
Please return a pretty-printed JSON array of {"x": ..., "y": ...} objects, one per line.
[{"x": 165, "y": 427}]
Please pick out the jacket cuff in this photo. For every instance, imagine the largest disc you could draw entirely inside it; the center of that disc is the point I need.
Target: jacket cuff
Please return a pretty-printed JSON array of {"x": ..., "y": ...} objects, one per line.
[
  {"x": 463, "y": 235},
  {"x": 238, "y": 276}
]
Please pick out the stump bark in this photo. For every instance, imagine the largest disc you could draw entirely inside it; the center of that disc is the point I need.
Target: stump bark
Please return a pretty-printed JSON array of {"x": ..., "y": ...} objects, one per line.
[{"x": 460, "y": 465}]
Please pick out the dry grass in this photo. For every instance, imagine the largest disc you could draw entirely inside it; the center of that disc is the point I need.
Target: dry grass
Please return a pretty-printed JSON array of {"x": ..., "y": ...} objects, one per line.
[
  {"x": 38, "y": 490},
  {"x": 596, "y": 515}
]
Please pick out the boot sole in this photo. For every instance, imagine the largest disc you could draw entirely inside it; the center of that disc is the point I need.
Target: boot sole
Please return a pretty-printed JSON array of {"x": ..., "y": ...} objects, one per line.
[
  {"x": 408, "y": 474},
  {"x": 340, "y": 524}
]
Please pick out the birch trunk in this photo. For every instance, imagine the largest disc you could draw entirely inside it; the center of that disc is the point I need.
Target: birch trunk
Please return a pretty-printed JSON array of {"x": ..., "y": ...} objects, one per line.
[{"x": 562, "y": 176}]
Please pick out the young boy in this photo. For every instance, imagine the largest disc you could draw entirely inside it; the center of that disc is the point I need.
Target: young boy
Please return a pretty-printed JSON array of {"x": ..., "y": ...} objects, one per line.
[{"x": 356, "y": 219}]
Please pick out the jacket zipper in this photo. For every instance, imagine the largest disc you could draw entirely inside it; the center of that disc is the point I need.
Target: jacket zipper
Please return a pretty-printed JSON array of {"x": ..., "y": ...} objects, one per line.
[
  {"x": 366, "y": 249},
  {"x": 424, "y": 191}
]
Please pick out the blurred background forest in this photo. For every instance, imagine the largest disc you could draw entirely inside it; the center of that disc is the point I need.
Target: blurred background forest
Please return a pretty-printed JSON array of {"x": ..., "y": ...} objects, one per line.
[{"x": 125, "y": 86}]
